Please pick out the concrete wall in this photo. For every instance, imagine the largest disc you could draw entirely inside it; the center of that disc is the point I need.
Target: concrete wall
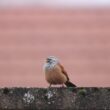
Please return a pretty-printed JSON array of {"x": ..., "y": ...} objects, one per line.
[{"x": 54, "y": 98}]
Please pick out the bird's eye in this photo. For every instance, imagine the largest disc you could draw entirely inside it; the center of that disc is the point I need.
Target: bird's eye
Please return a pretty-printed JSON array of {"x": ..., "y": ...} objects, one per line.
[{"x": 48, "y": 60}]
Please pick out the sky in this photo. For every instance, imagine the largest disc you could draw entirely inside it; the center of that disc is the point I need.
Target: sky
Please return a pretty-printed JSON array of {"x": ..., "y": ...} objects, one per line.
[{"x": 56, "y": 3}]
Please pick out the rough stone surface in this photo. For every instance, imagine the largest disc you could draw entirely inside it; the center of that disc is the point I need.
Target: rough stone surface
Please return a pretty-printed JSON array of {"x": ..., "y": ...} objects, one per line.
[{"x": 54, "y": 98}]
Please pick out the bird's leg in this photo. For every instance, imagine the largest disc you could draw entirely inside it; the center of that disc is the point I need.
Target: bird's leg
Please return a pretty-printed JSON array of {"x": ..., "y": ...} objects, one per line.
[
  {"x": 50, "y": 85},
  {"x": 63, "y": 86}
]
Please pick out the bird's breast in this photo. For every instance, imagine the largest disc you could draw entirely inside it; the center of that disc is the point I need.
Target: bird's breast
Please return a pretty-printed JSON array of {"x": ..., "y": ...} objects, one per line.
[{"x": 54, "y": 75}]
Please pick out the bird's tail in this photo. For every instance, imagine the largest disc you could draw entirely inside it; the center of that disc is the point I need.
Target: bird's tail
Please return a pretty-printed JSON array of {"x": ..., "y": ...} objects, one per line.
[{"x": 70, "y": 84}]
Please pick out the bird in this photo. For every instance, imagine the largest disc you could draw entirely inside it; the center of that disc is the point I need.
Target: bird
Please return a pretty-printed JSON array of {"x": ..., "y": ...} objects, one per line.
[{"x": 55, "y": 73}]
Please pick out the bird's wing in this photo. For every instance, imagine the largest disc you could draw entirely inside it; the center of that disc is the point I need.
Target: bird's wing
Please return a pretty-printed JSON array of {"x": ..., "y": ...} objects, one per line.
[{"x": 63, "y": 71}]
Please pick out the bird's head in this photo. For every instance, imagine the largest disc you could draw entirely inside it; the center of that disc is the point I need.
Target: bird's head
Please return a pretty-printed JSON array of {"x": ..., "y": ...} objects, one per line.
[
  {"x": 52, "y": 59},
  {"x": 50, "y": 63}
]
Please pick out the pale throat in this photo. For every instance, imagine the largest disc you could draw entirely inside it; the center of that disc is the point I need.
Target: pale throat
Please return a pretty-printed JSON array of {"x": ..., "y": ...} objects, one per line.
[{"x": 50, "y": 66}]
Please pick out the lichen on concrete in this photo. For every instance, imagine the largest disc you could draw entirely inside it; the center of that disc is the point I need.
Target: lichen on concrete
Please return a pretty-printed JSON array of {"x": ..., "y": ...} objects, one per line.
[
  {"x": 28, "y": 97},
  {"x": 54, "y": 98},
  {"x": 49, "y": 94}
]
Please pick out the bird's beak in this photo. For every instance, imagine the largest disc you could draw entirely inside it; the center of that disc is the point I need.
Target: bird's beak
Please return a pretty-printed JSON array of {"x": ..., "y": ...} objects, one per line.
[{"x": 48, "y": 60}]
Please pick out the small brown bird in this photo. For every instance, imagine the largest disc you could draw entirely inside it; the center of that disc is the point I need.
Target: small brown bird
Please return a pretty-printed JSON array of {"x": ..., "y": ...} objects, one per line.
[{"x": 55, "y": 73}]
